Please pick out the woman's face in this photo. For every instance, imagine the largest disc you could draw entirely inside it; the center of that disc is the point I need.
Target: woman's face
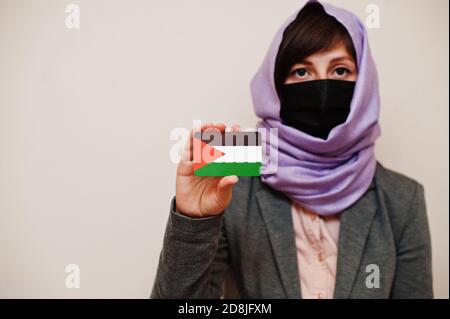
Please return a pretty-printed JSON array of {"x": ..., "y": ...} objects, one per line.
[{"x": 335, "y": 64}]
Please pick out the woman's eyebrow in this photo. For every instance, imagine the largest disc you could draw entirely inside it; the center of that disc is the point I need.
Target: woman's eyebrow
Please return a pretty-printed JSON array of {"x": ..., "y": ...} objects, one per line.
[
  {"x": 306, "y": 62},
  {"x": 342, "y": 58}
]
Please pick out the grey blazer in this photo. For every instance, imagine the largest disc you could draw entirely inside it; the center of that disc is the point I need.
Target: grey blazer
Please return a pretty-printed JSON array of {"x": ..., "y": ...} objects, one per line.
[{"x": 248, "y": 251}]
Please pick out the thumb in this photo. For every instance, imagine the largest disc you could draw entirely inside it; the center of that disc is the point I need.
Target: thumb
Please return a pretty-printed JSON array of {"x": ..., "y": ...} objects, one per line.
[{"x": 224, "y": 188}]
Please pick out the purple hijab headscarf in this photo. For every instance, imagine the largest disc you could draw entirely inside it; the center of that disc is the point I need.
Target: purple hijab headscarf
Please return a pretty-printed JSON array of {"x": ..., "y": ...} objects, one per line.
[{"x": 325, "y": 176}]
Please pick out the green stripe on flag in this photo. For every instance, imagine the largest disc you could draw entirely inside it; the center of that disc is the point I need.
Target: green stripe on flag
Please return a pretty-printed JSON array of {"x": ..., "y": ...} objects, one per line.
[{"x": 225, "y": 169}]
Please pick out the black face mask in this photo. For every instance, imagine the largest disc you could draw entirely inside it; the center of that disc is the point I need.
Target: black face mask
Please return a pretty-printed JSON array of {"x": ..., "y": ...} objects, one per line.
[{"x": 315, "y": 107}]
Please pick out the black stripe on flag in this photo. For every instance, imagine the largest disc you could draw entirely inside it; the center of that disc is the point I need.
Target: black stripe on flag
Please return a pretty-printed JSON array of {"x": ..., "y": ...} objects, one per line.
[{"x": 241, "y": 138}]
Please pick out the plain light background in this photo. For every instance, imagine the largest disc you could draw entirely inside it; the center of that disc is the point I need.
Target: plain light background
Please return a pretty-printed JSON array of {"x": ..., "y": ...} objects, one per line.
[{"x": 85, "y": 118}]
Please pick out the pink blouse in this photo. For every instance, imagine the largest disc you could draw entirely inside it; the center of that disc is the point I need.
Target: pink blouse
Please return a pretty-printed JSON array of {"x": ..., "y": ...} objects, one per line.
[{"x": 316, "y": 239}]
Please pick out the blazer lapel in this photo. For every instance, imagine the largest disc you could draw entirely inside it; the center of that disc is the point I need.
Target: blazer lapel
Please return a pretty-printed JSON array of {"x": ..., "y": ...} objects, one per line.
[
  {"x": 276, "y": 212},
  {"x": 354, "y": 230}
]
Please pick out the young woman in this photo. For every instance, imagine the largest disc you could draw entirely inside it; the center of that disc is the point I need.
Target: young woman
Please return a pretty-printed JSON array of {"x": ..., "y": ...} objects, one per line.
[{"x": 330, "y": 221}]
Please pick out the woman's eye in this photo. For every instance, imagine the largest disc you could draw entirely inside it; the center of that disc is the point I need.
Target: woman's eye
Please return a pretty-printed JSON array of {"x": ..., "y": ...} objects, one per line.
[
  {"x": 342, "y": 71},
  {"x": 301, "y": 72}
]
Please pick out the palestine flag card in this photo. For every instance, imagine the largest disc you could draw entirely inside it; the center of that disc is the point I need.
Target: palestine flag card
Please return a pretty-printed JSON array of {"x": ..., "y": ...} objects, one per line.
[{"x": 227, "y": 153}]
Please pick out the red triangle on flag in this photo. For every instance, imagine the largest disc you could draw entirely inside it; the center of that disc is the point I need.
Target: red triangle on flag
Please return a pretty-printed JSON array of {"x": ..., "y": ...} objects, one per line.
[{"x": 206, "y": 153}]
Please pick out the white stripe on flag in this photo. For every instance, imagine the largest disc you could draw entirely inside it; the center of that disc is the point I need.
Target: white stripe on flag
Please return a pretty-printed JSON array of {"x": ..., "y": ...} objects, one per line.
[{"x": 240, "y": 154}]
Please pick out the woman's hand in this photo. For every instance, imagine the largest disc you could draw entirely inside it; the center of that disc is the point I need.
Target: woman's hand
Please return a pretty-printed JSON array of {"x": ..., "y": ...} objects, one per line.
[{"x": 201, "y": 196}]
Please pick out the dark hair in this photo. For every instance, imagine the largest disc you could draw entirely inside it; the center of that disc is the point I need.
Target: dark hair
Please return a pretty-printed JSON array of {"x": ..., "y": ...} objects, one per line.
[{"x": 312, "y": 31}]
